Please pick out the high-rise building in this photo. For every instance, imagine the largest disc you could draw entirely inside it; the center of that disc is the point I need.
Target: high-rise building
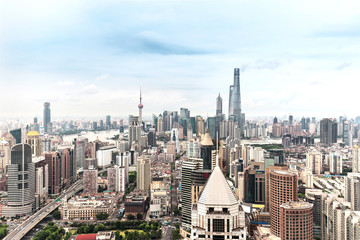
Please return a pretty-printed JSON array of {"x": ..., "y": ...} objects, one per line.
[
  {"x": 314, "y": 162},
  {"x": 117, "y": 179},
  {"x": 211, "y": 126},
  {"x": 235, "y": 101},
  {"x": 313, "y": 196},
  {"x": 192, "y": 149},
  {"x": 53, "y": 161},
  {"x": 207, "y": 146},
  {"x": 33, "y": 139},
  {"x": 47, "y": 117},
  {"x": 21, "y": 182},
  {"x": 217, "y": 215},
  {"x": 152, "y": 137},
  {"x": 68, "y": 166},
  {"x": 16, "y": 134},
  {"x": 356, "y": 159},
  {"x": 328, "y": 131},
  {"x": 143, "y": 176},
  {"x": 352, "y": 190},
  {"x": 140, "y": 106},
  {"x": 134, "y": 129},
  {"x": 108, "y": 121},
  {"x": 291, "y": 119},
  {"x": 283, "y": 188},
  {"x": 296, "y": 221},
  {"x": 218, "y": 105},
  {"x": 160, "y": 124},
  {"x": 90, "y": 181}
]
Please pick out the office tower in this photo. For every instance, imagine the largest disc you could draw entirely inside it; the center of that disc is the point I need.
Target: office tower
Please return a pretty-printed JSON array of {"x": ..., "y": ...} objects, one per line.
[
  {"x": 21, "y": 182},
  {"x": 134, "y": 129},
  {"x": 35, "y": 120},
  {"x": 303, "y": 123},
  {"x": 181, "y": 132},
  {"x": 94, "y": 126},
  {"x": 254, "y": 186},
  {"x": 33, "y": 139},
  {"x": 314, "y": 162},
  {"x": 200, "y": 126},
  {"x": 217, "y": 215},
  {"x": 68, "y": 166},
  {"x": 192, "y": 149},
  {"x": 122, "y": 160},
  {"x": 108, "y": 121},
  {"x": 143, "y": 176},
  {"x": 192, "y": 124},
  {"x": 16, "y": 134},
  {"x": 160, "y": 124},
  {"x": 356, "y": 159},
  {"x": 328, "y": 131},
  {"x": 47, "y": 117},
  {"x": 90, "y": 182},
  {"x": 41, "y": 179},
  {"x": 235, "y": 101},
  {"x": 80, "y": 146},
  {"x": 184, "y": 113},
  {"x": 218, "y": 105},
  {"x": 275, "y": 121},
  {"x": 211, "y": 126},
  {"x": 283, "y": 188},
  {"x": 296, "y": 221},
  {"x": 53, "y": 160},
  {"x": 291, "y": 119},
  {"x": 45, "y": 144},
  {"x": 121, "y": 126},
  {"x": 152, "y": 137},
  {"x": 189, "y": 165},
  {"x": 352, "y": 190},
  {"x": 205, "y": 150},
  {"x": 184, "y": 124},
  {"x": 90, "y": 163}
]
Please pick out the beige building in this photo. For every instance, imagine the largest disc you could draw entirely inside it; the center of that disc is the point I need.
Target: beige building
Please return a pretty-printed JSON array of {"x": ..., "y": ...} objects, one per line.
[
  {"x": 314, "y": 162},
  {"x": 33, "y": 139},
  {"x": 143, "y": 173},
  {"x": 85, "y": 209}
]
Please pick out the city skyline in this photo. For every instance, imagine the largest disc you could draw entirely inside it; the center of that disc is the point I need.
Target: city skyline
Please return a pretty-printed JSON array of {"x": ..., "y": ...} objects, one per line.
[{"x": 89, "y": 59}]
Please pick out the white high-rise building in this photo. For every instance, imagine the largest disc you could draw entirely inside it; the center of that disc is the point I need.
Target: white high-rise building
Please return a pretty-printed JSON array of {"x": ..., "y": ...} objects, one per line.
[
  {"x": 335, "y": 162},
  {"x": 352, "y": 190},
  {"x": 217, "y": 215},
  {"x": 192, "y": 149},
  {"x": 314, "y": 162},
  {"x": 356, "y": 160}
]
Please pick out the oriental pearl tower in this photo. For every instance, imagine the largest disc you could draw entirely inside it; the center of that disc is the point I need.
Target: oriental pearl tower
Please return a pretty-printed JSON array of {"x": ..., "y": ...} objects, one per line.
[{"x": 140, "y": 106}]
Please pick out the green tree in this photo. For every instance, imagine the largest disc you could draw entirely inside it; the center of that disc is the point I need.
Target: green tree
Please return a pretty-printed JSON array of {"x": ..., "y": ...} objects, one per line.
[
  {"x": 139, "y": 216},
  {"x": 130, "y": 217},
  {"x": 57, "y": 214},
  {"x": 102, "y": 216}
]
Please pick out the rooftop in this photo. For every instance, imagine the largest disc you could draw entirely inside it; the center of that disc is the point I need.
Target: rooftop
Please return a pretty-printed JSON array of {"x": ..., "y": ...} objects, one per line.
[
  {"x": 296, "y": 205},
  {"x": 32, "y": 133}
]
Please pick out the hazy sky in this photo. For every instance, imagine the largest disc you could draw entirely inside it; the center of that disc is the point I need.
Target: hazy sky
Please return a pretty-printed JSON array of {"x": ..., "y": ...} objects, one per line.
[{"x": 88, "y": 58}]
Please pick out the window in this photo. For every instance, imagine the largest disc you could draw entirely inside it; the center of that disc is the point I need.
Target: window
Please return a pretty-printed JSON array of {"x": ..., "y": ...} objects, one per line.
[
  {"x": 209, "y": 225},
  {"x": 228, "y": 225},
  {"x": 218, "y": 225},
  {"x": 211, "y": 210},
  {"x": 201, "y": 236}
]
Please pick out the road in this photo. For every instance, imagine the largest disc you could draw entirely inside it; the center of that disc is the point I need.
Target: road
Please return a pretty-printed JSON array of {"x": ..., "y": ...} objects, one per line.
[{"x": 21, "y": 230}]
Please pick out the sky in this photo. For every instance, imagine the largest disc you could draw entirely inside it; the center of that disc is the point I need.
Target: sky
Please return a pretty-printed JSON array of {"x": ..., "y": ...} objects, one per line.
[{"x": 89, "y": 58}]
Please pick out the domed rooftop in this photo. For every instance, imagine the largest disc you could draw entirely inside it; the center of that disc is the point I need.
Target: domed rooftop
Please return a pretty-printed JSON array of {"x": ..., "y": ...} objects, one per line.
[{"x": 33, "y": 133}]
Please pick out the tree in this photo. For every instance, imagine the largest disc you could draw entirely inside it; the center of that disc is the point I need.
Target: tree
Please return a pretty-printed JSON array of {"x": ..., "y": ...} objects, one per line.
[
  {"x": 102, "y": 216},
  {"x": 139, "y": 216},
  {"x": 177, "y": 212},
  {"x": 130, "y": 217},
  {"x": 176, "y": 234},
  {"x": 57, "y": 215}
]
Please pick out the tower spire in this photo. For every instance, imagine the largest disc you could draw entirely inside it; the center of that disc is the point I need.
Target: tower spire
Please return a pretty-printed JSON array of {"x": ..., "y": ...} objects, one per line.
[{"x": 140, "y": 106}]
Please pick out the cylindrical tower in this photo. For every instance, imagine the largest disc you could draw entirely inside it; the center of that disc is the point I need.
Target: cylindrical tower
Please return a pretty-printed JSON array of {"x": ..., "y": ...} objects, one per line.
[{"x": 283, "y": 188}]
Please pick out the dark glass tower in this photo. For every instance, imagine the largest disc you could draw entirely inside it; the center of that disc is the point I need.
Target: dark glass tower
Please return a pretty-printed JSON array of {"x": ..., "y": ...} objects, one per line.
[
  {"x": 235, "y": 100},
  {"x": 47, "y": 116},
  {"x": 205, "y": 151}
]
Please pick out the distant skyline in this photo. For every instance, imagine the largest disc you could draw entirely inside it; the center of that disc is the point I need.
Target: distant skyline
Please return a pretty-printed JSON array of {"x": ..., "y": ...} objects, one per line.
[{"x": 90, "y": 58}]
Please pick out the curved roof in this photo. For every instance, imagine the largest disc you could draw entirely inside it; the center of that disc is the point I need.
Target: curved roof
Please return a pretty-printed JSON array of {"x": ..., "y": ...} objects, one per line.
[
  {"x": 207, "y": 139},
  {"x": 217, "y": 190},
  {"x": 33, "y": 133}
]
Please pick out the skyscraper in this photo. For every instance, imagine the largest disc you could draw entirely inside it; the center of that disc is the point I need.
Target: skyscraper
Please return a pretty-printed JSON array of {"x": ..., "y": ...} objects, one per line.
[
  {"x": 328, "y": 131},
  {"x": 108, "y": 121},
  {"x": 21, "y": 182},
  {"x": 47, "y": 117},
  {"x": 283, "y": 188},
  {"x": 235, "y": 100},
  {"x": 356, "y": 159},
  {"x": 218, "y": 105},
  {"x": 205, "y": 151},
  {"x": 143, "y": 175}
]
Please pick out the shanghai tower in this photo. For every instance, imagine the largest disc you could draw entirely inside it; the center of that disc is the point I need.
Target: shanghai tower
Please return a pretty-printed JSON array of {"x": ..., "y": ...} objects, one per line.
[{"x": 235, "y": 101}]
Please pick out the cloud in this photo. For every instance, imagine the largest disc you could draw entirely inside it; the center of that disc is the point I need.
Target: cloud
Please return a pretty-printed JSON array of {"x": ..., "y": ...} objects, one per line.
[
  {"x": 65, "y": 83},
  {"x": 314, "y": 83},
  {"x": 89, "y": 89},
  {"x": 343, "y": 65},
  {"x": 261, "y": 64},
  {"x": 103, "y": 77}
]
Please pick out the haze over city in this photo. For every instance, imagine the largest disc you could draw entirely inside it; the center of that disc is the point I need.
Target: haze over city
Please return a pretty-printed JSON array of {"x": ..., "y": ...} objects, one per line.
[{"x": 90, "y": 58}]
